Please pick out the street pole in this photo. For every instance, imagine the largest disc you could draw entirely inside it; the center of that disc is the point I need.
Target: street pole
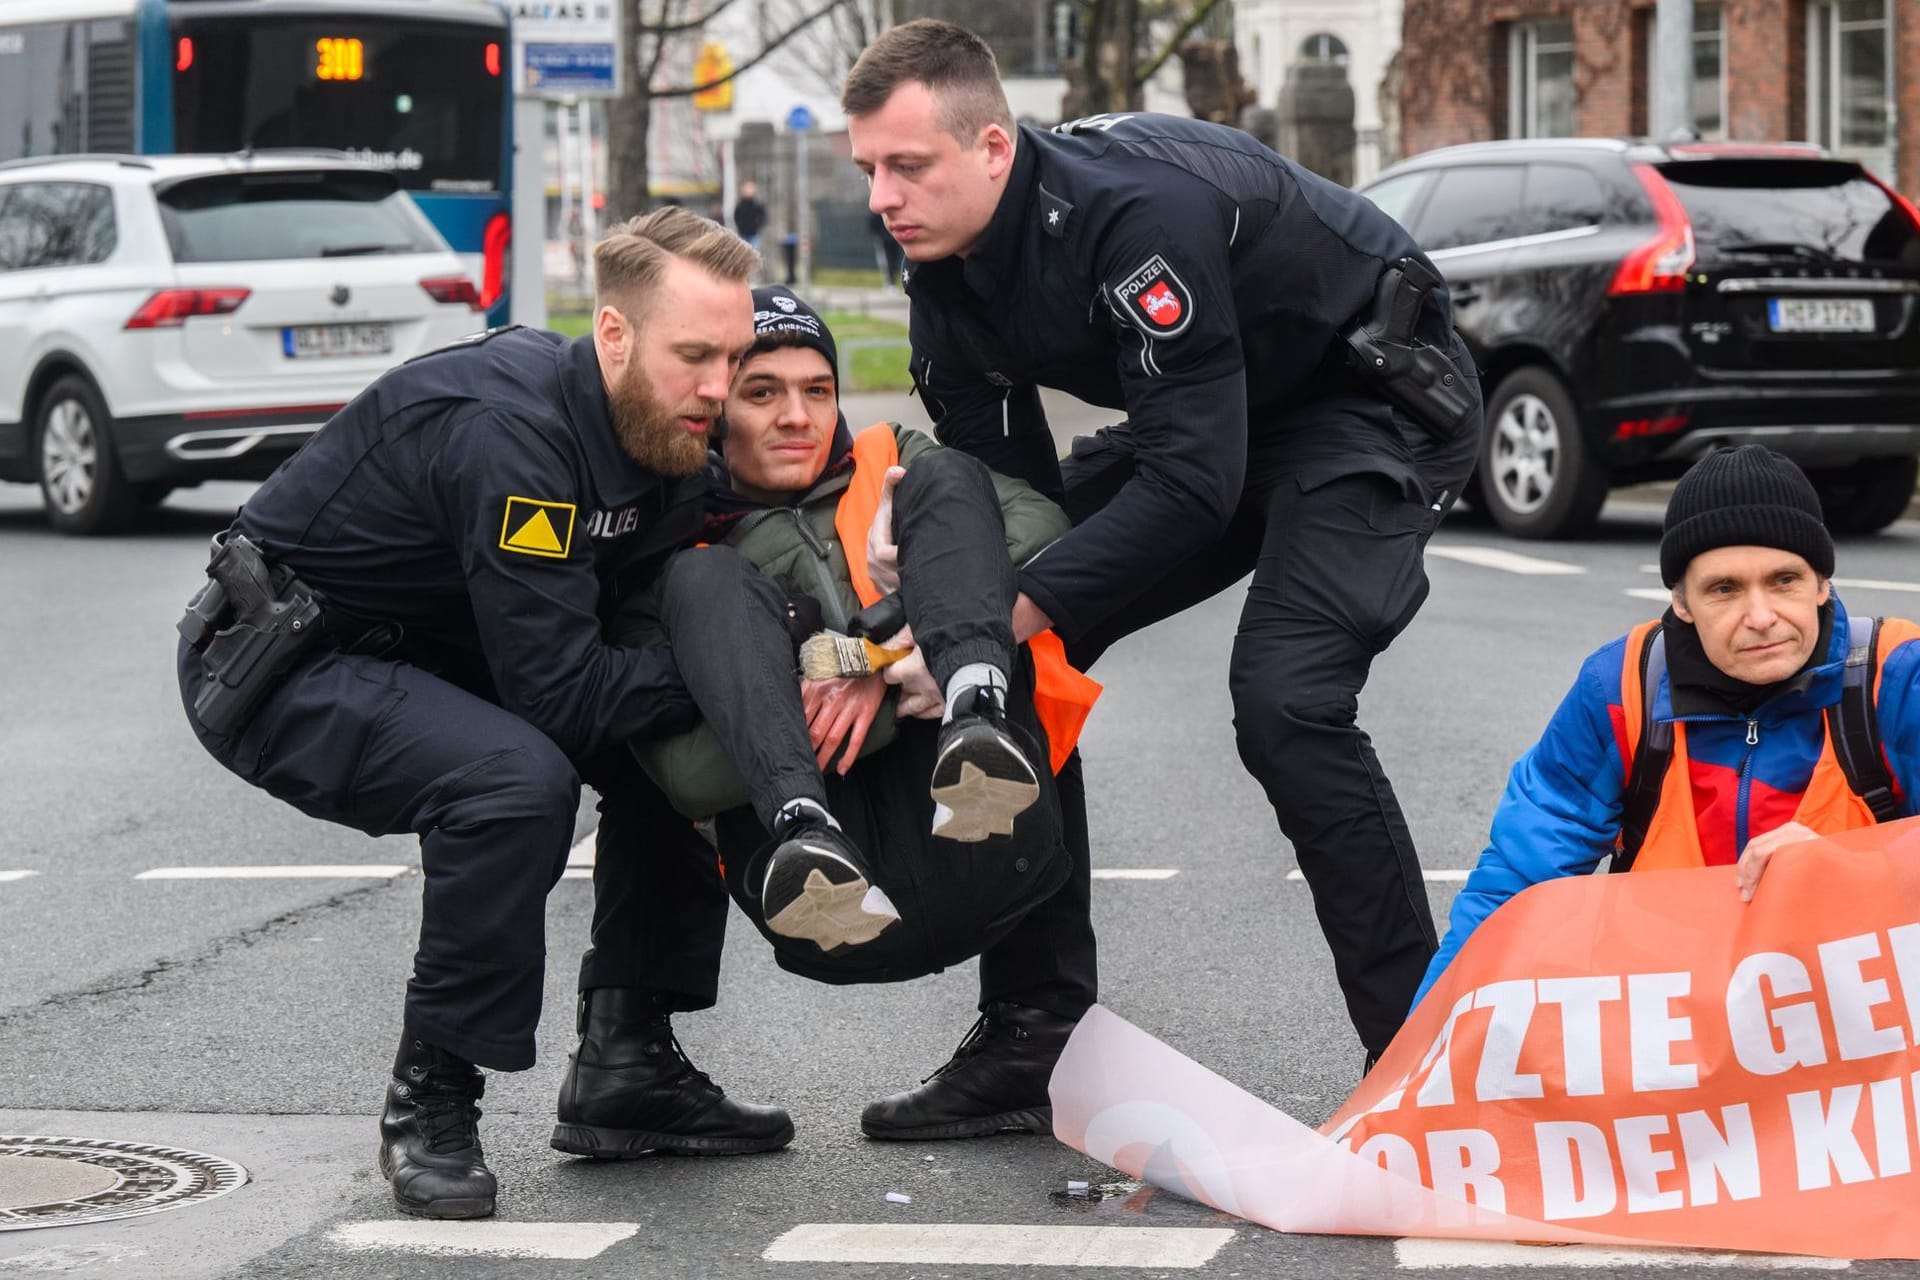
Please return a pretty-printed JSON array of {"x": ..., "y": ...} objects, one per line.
[
  {"x": 1673, "y": 65},
  {"x": 529, "y": 271},
  {"x": 805, "y": 270}
]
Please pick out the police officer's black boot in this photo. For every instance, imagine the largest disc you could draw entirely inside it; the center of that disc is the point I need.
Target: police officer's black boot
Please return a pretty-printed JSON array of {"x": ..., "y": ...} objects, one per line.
[
  {"x": 430, "y": 1135},
  {"x": 996, "y": 1082},
  {"x": 630, "y": 1089}
]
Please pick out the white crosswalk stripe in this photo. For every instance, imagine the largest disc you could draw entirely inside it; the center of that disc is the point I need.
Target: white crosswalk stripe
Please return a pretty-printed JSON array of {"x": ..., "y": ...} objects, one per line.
[
  {"x": 6, "y": 876},
  {"x": 343, "y": 871},
  {"x": 1433, "y": 1255},
  {"x": 989, "y": 1244},
  {"x": 572, "y": 1241},
  {"x": 1504, "y": 560},
  {"x": 1134, "y": 873},
  {"x": 1443, "y": 875}
]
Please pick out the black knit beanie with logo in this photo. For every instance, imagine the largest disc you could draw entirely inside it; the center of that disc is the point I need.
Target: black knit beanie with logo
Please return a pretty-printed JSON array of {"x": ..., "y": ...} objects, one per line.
[
  {"x": 1744, "y": 497},
  {"x": 781, "y": 320}
]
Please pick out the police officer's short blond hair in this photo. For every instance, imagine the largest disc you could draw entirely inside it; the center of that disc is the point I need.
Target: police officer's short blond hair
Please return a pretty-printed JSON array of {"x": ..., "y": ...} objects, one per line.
[
  {"x": 956, "y": 65},
  {"x": 629, "y": 260}
]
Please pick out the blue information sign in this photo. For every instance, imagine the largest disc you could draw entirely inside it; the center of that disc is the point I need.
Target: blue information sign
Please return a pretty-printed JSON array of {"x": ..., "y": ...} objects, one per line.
[
  {"x": 800, "y": 119},
  {"x": 571, "y": 68}
]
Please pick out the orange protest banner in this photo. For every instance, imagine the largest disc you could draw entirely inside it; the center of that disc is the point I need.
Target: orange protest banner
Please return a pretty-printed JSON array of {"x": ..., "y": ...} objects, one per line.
[
  {"x": 1645, "y": 1056},
  {"x": 1638, "y": 1059}
]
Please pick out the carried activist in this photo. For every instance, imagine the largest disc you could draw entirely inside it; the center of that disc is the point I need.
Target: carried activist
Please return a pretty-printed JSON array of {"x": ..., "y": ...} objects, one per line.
[
  {"x": 404, "y": 634},
  {"x": 871, "y": 841},
  {"x": 1298, "y": 408},
  {"x": 1755, "y": 713}
]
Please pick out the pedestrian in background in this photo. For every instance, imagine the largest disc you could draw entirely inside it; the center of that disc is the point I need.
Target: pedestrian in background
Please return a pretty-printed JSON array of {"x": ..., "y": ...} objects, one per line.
[{"x": 749, "y": 215}]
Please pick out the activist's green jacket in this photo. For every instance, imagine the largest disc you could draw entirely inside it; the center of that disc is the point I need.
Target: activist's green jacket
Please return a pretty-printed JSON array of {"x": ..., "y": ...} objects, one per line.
[{"x": 799, "y": 545}]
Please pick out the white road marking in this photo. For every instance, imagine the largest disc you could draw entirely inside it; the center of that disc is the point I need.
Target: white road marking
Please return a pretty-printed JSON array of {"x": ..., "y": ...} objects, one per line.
[
  {"x": 1661, "y": 594},
  {"x": 1134, "y": 873},
  {"x": 5, "y": 876},
  {"x": 1445, "y": 875},
  {"x": 577, "y": 873},
  {"x": 967, "y": 1243},
  {"x": 1425, "y": 1255},
  {"x": 576, "y": 1241},
  {"x": 582, "y": 854},
  {"x": 367, "y": 871},
  {"x": 1505, "y": 561}
]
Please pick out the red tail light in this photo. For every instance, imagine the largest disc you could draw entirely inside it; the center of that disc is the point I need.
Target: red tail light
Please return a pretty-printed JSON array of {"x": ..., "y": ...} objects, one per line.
[
  {"x": 453, "y": 289},
  {"x": 1901, "y": 202},
  {"x": 494, "y": 244},
  {"x": 169, "y": 308},
  {"x": 1661, "y": 264}
]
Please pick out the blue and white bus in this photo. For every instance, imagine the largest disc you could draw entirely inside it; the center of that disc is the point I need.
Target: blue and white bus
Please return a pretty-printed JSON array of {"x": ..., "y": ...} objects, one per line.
[{"x": 419, "y": 87}]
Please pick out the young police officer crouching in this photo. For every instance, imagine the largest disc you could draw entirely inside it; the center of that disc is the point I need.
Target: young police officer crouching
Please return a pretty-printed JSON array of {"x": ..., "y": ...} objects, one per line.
[
  {"x": 937, "y": 832},
  {"x": 1703, "y": 739},
  {"x": 416, "y": 646}
]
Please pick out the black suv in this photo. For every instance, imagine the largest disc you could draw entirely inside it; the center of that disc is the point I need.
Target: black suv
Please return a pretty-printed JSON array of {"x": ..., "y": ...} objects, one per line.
[{"x": 1634, "y": 305}]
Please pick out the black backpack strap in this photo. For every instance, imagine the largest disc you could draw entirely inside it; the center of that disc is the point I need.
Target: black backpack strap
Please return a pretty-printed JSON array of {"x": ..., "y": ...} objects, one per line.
[
  {"x": 1853, "y": 723},
  {"x": 1648, "y": 773}
]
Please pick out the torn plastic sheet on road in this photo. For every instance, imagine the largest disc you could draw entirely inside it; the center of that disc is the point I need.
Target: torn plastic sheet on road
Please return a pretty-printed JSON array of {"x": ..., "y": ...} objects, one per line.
[{"x": 1621, "y": 1060}]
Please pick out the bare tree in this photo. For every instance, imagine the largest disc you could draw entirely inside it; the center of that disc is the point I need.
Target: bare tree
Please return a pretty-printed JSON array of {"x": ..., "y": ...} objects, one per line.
[
  {"x": 824, "y": 53},
  {"x": 648, "y": 38},
  {"x": 1124, "y": 45}
]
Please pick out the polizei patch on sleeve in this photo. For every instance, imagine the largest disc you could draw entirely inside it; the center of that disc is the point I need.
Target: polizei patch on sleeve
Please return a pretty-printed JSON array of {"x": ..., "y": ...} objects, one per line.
[{"x": 1155, "y": 299}]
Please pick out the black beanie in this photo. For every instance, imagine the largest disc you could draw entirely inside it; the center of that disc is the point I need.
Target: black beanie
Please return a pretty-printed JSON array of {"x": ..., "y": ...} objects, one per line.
[
  {"x": 1744, "y": 497},
  {"x": 782, "y": 320}
]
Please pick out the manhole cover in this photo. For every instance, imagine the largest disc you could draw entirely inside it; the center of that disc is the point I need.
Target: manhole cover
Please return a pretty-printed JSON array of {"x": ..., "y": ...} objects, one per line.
[{"x": 57, "y": 1182}]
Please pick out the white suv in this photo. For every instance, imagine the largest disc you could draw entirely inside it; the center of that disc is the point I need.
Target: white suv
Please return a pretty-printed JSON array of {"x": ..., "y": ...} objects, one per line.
[{"x": 171, "y": 319}]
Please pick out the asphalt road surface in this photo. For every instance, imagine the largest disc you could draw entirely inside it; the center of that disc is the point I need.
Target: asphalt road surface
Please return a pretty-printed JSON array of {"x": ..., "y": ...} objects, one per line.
[{"x": 255, "y": 1018}]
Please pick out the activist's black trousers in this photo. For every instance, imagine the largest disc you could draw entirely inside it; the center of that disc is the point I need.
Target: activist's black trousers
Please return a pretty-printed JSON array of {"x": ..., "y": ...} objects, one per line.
[
  {"x": 385, "y": 747},
  {"x": 1336, "y": 557}
]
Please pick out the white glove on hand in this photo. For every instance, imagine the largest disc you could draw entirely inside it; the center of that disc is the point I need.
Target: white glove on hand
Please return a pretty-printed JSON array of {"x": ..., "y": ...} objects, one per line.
[
  {"x": 920, "y": 697},
  {"x": 883, "y": 555}
]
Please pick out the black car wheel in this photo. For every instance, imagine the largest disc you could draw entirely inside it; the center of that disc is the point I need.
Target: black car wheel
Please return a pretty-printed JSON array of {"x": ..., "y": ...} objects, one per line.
[
  {"x": 79, "y": 476},
  {"x": 1536, "y": 475},
  {"x": 1866, "y": 497}
]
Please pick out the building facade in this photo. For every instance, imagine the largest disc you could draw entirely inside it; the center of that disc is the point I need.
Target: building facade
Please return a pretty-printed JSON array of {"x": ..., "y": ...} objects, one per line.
[
  {"x": 1842, "y": 73},
  {"x": 1276, "y": 36}
]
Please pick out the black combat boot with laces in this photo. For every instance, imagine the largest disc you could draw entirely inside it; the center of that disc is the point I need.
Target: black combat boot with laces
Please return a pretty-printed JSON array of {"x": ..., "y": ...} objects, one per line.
[
  {"x": 630, "y": 1089},
  {"x": 430, "y": 1135},
  {"x": 996, "y": 1082}
]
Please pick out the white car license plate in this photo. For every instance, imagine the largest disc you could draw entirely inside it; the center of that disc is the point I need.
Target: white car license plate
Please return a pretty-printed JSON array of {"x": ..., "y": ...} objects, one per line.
[
  {"x": 308, "y": 341},
  {"x": 1820, "y": 315}
]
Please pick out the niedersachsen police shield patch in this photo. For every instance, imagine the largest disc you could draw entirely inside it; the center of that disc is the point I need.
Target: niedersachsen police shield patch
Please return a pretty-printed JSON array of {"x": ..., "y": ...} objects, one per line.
[{"x": 1155, "y": 299}]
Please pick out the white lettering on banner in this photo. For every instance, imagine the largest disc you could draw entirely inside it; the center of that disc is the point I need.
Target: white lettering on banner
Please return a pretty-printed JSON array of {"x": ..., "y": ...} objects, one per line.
[
  {"x": 1437, "y": 1091},
  {"x": 1904, "y": 943},
  {"x": 1643, "y": 1163},
  {"x": 1559, "y": 1144},
  {"x": 1580, "y": 1000},
  {"x": 1823, "y": 1137},
  {"x": 1653, "y": 1031},
  {"x": 1464, "y": 1162},
  {"x": 1852, "y": 998},
  {"x": 1499, "y": 1076},
  {"x": 1752, "y": 1025},
  {"x": 1717, "y": 1156},
  {"x": 1888, "y": 1102}
]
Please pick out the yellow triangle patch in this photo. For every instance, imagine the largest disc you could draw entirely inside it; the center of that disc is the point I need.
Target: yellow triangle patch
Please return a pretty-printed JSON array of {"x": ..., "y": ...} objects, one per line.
[
  {"x": 536, "y": 528},
  {"x": 536, "y": 535}
]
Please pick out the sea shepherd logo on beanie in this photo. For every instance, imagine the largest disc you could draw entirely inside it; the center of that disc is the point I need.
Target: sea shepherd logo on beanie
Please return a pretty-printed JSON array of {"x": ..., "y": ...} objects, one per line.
[{"x": 1744, "y": 497}]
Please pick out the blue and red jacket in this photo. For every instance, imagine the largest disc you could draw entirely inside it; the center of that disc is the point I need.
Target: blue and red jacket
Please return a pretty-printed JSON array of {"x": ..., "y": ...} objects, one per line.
[{"x": 1560, "y": 814}]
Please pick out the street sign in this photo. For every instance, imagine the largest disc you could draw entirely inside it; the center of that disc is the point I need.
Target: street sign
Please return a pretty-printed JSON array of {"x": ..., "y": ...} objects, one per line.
[
  {"x": 583, "y": 70},
  {"x": 712, "y": 65},
  {"x": 567, "y": 48},
  {"x": 800, "y": 119}
]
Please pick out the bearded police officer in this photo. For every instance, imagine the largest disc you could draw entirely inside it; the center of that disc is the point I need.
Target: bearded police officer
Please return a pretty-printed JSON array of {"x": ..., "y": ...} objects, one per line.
[
  {"x": 403, "y": 633},
  {"x": 1298, "y": 407}
]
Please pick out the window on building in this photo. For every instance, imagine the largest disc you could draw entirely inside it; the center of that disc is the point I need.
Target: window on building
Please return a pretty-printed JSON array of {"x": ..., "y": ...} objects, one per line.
[
  {"x": 1849, "y": 88},
  {"x": 1324, "y": 47},
  {"x": 1541, "y": 95},
  {"x": 1709, "y": 102}
]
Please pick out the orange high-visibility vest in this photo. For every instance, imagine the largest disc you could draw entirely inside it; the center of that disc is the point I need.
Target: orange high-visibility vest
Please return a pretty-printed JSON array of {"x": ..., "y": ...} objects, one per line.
[
  {"x": 1829, "y": 805},
  {"x": 1062, "y": 696}
]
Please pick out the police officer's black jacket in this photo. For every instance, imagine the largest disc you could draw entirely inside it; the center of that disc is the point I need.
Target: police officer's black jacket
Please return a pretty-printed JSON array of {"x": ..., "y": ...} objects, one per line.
[
  {"x": 1187, "y": 273},
  {"x": 478, "y": 498}
]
